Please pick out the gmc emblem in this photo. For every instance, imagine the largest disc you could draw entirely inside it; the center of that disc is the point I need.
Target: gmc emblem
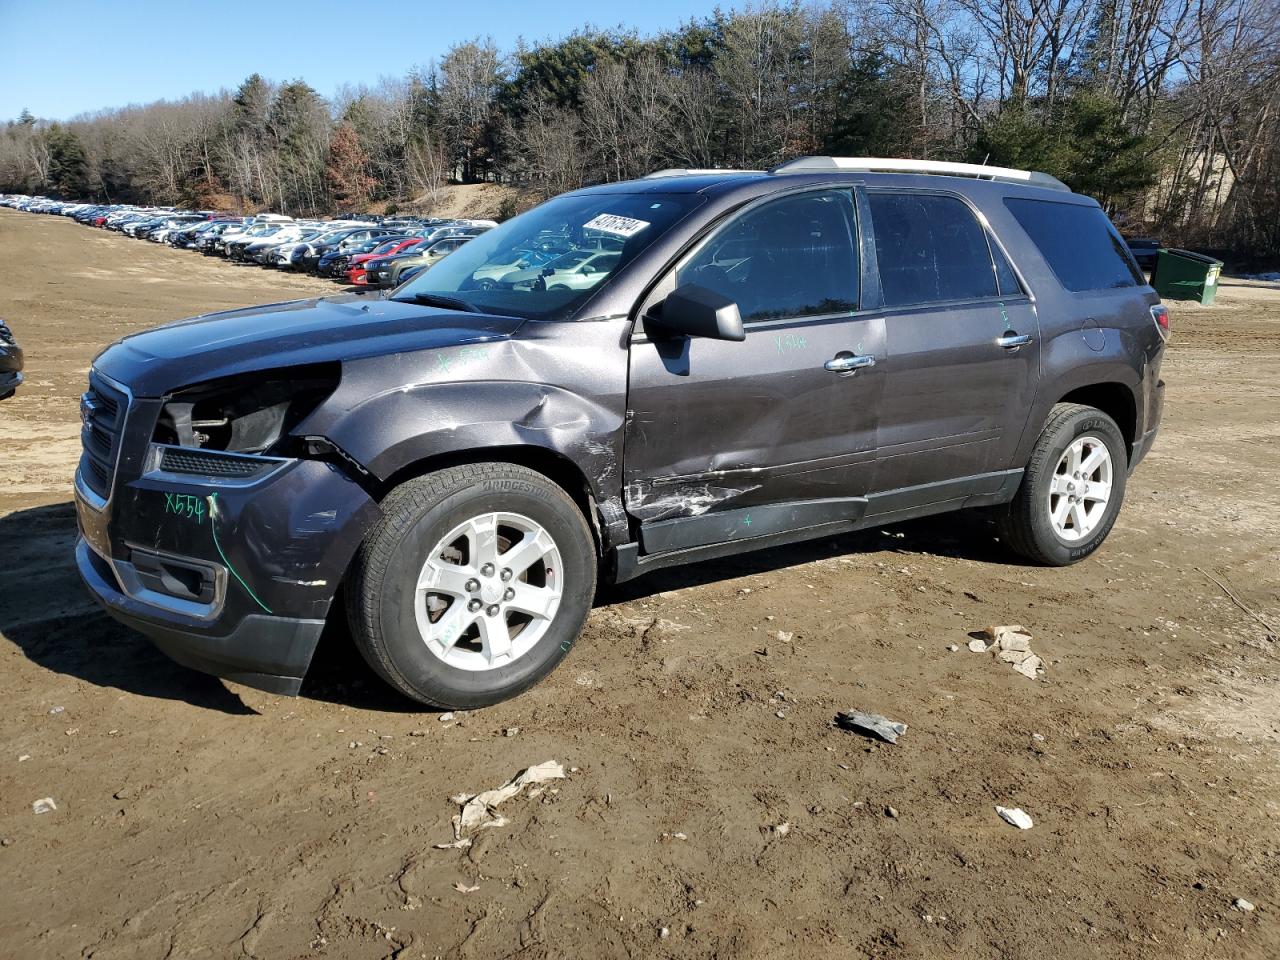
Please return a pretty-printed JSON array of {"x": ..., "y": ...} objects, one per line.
[{"x": 88, "y": 407}]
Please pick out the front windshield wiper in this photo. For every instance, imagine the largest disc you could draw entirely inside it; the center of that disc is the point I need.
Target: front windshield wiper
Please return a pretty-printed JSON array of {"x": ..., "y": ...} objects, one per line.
[{"x": 436, "y": 300}]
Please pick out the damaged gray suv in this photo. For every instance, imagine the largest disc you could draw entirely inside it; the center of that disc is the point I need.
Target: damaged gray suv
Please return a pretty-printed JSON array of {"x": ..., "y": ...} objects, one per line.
[{"x": 626, "y": 377}]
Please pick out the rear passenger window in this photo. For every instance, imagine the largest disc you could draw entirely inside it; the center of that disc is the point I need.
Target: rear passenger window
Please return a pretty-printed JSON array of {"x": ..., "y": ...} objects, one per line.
[
  {"x": 930, "y": 249},
  {"x": 1078, "y": 242},
  {"x": 792, "y": 257}
]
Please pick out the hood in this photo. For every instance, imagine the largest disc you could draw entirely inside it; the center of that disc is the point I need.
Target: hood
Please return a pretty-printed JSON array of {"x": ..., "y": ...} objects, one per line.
[{"x": 288, "y": 334}]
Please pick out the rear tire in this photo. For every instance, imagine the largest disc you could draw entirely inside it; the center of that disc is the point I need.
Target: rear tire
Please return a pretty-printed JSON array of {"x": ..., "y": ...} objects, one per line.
[
  {"x": 1072, "y": 489},
  {"x": 445, "y": 610}
]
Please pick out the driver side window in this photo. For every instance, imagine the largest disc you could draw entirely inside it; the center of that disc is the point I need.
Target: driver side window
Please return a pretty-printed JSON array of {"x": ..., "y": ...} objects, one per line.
[{"x": 791, "y": 257}]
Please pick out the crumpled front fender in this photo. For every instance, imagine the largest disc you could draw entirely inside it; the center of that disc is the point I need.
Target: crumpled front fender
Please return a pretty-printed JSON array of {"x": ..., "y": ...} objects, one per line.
[{"x": 561, "y": 388}]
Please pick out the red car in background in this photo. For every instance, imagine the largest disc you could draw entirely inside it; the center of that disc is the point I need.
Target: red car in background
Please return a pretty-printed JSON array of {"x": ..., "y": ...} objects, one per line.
[{"x": 355, "y": 266}]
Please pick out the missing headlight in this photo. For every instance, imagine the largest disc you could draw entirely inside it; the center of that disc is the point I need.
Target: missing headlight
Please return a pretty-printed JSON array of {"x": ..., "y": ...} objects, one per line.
[{"x": 250, "y": 413}]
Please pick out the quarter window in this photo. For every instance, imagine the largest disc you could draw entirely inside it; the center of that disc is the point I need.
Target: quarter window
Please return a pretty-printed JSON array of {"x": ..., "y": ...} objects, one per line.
[
  {"x": 792, "y": 257},
  {"x": 930, "y": 249},
  {"x": 1082, "y": 248}
]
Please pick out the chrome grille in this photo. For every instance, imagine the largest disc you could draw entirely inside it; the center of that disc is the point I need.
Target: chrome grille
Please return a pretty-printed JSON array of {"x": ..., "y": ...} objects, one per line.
[{"x": 102, "y": 409}]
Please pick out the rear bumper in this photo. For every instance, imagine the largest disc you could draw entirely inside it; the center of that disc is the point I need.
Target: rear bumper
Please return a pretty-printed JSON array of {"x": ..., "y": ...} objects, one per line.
[{"x": 1142, "y": 445}]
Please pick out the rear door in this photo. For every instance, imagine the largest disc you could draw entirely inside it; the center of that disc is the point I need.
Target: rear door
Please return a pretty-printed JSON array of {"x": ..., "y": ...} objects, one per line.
[
  {"x": 731, "y": 440},
  {"x": 963, "y": 350}
]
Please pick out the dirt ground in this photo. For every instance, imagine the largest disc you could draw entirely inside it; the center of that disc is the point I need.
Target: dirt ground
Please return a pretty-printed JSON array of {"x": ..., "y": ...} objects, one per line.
[{"x": 197, "y": 818}]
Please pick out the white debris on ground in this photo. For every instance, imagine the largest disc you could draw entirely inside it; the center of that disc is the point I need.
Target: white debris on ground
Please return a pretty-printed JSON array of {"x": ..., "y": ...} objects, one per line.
[
  {"x": 478, "y": 810},
  {"x": 1012, "y": 645},
  {"x": 871, "y": 724},
  {"x": 44, "y": 805},
  {"x": 1015, "y": 816}
]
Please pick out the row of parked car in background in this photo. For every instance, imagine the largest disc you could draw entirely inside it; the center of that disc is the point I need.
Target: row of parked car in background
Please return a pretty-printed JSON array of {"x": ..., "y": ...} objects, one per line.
[{"x": 361, "y": 250}]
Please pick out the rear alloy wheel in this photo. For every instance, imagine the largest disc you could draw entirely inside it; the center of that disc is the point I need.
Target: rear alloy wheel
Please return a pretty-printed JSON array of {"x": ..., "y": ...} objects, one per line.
[
  {"x": 473, "y": 586},
  {"x": 1072, "y": 488},
  {"x": 1080, "y": 488}
]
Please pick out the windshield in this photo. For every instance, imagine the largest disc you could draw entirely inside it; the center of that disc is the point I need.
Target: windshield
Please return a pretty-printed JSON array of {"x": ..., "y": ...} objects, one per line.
[{"x": 543, "y": 264}]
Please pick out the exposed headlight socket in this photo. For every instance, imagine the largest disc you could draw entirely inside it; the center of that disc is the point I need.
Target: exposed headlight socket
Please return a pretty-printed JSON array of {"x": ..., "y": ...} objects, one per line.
[{"x": 249, "y": 413}]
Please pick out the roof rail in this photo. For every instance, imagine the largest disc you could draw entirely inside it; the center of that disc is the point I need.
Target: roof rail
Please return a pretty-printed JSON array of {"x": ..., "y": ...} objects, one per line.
[
  {"x": 687, "y": 172},
  {"x": 940, "y": 167}
]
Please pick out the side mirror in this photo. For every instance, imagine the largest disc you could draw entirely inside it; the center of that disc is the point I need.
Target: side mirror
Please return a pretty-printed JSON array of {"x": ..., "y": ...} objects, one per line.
[{"x": 694, "y": 311}]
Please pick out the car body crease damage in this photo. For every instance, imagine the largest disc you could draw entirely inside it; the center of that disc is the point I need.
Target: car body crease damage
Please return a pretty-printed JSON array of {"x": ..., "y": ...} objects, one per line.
[{"x": 648, "y": 502}]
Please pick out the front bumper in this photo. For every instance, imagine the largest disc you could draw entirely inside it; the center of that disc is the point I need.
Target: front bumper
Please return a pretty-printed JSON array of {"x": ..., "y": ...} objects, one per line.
[
  {"x": 9, "y": 384},
  {"x": 241, "y": 590},
  {"x": 270, "y": 653},
  {"x": 10, "y": 369}
]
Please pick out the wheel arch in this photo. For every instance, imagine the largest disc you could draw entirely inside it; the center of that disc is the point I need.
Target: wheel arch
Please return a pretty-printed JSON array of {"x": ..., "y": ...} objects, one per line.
[
  {"x": 556, "y": 467},
  {"x": 1114, "y": 399}
]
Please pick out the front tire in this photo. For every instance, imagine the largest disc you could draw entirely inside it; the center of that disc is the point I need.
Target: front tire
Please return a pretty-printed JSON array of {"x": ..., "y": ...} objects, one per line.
[
  {"x": 1072, "y": 489},
  {"x": 473, "y": 586}
]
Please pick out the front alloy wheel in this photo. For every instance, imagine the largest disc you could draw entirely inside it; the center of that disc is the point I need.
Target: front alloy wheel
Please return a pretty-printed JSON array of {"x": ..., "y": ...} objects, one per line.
[
  {"x": 474, "y": 584},
  {"x": 489, "y": 591}
]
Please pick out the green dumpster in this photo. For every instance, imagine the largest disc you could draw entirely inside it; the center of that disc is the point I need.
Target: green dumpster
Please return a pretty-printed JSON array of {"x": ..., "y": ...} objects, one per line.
[{"x": 1183, "y": 275}]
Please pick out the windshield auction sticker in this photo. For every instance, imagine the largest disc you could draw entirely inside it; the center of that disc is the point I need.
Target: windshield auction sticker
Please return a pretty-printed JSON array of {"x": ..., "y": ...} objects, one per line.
[{"x": 616, "y": 225}]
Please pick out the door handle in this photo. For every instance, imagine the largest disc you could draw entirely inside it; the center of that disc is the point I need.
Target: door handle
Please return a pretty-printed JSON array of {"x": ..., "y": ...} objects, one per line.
[
  {"x": 1011, "y": 340},
  {"x": 844, "y": 363}
]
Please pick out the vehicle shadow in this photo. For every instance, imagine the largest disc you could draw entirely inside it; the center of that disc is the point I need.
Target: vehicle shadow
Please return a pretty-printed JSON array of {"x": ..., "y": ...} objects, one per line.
[
  {"x": 46, "y": 614},
  {"x": 967, "y": 534},
  {"x": 338, "y": 674}
]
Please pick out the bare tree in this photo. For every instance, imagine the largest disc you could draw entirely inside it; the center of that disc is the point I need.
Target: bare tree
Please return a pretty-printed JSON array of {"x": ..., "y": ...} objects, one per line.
[
  {"x": 548, "y": 143},
  {"x": 469, "y": 79},
  {"x": 625, "y": 105},
  {"x": 691, "y": 118},
  {"x": 426, "y": 169}
]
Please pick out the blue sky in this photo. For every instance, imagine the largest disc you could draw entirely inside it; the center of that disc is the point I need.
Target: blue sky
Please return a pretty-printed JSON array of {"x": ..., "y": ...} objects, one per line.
[{"x": 59, "y": 58}]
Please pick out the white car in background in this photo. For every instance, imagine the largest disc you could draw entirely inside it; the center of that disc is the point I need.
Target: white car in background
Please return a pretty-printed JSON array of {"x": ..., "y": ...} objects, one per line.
[
  {"x": 584, "y": 275},
  {"x": 575, "y": 270},
  {"x": 161, "y": 234},
  {"x": 268, "y": 249}
]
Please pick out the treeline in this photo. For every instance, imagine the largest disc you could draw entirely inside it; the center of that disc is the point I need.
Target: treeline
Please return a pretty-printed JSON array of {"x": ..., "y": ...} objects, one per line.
[{"x": 1165, "y": 110}]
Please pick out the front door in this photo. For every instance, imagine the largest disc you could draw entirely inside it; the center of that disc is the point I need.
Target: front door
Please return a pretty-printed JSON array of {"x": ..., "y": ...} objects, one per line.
[
  {"x": 731, "y": 440},
  {"x": 963, "y": 352}
]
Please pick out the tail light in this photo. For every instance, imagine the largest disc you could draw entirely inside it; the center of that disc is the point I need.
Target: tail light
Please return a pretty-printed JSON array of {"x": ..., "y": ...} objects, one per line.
[{"x": 1160, "y": 314}]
